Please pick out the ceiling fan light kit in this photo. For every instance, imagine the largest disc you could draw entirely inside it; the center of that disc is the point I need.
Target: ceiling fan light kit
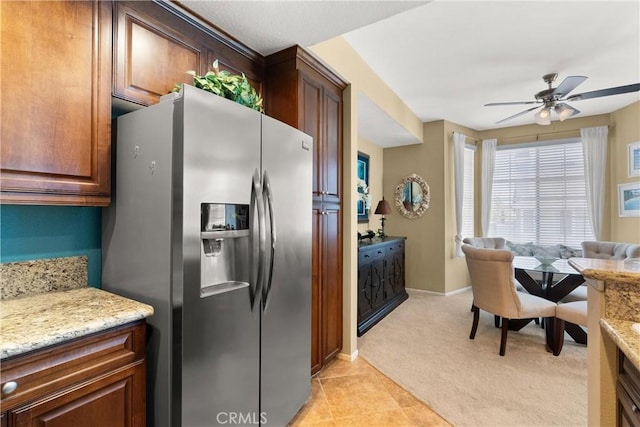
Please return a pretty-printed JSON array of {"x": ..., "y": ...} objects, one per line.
[
  {"x": 553, "y": 98},
  {"x": 543, "y": 117}
]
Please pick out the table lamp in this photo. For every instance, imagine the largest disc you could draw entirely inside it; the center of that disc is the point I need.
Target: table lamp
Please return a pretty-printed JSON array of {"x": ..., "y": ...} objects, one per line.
[{"x": 383, "y": 209}]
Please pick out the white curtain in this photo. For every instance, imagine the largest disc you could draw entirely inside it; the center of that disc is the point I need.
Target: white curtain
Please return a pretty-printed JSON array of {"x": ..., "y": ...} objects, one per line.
[
  {"x": 594, "y": 149},
  {"x": 458, "y": 168},
  {"x": 488, "y": 165}
]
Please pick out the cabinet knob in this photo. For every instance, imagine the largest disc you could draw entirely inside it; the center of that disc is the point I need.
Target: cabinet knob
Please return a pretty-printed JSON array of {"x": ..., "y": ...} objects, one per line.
[
  {"x": 634, "y": 408},
  {"x": 9, "y": 387}
]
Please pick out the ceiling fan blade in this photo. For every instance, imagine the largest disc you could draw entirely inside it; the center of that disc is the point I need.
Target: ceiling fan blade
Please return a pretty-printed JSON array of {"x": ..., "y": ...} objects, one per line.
[
  {"x": 517, "y": 115},
  {"x": 493, "y": 104},
  {"x": 605, "y": 92},
  {"x": 567, "y": 85}
]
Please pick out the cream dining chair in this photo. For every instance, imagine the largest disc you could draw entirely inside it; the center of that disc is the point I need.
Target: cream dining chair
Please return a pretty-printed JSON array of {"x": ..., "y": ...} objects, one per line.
[
  {"x": 486, "y": 242},
  {"x": 573, "y": 312},
  {"x": 494, "y": 291}
]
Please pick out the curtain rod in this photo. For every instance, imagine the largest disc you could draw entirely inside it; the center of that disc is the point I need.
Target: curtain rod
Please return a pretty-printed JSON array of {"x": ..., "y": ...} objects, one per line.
[
  {"x": 530, "y": 137},
  {"x": 536, "y": 136}
]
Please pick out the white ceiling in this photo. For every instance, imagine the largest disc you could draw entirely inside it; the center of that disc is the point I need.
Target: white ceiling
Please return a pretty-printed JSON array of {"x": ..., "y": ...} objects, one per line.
[{"x": 446, "y": 59}]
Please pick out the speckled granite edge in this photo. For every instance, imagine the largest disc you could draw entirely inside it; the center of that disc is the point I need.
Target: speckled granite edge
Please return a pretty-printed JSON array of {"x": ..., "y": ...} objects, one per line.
[
  {"x": 36, "y": 321},
  {"x": 627, "y": 340},
  {"x": 608, "y": 276},
  {"x": 622, "y": 301},
  {"x": 44, "y": 275}
]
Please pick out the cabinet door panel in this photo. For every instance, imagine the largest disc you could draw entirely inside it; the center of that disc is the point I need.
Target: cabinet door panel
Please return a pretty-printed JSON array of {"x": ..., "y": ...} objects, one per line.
[
  {"x": 311, "y": 125},
  {"x": 105, "y": 402},
  {"x": 365, "y": 302},
  {"x": 332, "y": 283},
  {"x": 333, "y": 146},
  {"x": 152, "y": 56},
  {"x": 56, "y": 103}
]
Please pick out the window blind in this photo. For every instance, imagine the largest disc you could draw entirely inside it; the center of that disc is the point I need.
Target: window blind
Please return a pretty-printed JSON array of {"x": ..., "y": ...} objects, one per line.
[{"x": 539, "y": 194}]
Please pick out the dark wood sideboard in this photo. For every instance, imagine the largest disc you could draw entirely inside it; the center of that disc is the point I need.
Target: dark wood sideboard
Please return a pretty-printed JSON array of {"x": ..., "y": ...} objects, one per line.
[{"x": 381, "y": 286}]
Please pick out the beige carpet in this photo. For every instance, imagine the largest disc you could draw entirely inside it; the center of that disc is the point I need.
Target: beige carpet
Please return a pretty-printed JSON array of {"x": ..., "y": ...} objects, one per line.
[{"x": 424, "y": 346}]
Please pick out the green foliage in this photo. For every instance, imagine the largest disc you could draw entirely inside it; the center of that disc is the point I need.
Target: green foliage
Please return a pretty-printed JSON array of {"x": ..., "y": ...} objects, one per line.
[{"x": 231, "y": 86}]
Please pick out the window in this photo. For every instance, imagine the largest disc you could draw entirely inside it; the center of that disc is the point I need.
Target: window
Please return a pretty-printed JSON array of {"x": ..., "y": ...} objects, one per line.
[
  {"x": 539, "y": 194},
  {"x": 467, "y": 201}
]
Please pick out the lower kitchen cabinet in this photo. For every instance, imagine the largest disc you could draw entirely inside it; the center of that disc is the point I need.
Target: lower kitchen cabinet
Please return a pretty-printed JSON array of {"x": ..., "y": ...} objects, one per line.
[
  {"x": 326, "y": 289},
  {"x": 381, "y": 285},
  {"x": 97, "y": 380},
  {"x": 628, "y": 393}
]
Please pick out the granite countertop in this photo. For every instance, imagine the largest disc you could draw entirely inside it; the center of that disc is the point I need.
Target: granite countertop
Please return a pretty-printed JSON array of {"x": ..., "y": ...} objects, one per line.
[
  {"x": 40, "y": 320},
  {"x": 622, "y": 271},
  {"x": 627, "y": 340}
]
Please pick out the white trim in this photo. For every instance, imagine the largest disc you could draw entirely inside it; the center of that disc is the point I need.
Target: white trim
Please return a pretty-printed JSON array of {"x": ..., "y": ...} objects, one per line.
[
  {"x": 445, "y": 294},
  {"x": 348, "y": 357}
]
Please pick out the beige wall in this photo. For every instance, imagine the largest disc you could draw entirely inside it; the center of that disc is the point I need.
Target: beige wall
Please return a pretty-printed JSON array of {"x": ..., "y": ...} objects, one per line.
[{"x": 625, "y": 129}]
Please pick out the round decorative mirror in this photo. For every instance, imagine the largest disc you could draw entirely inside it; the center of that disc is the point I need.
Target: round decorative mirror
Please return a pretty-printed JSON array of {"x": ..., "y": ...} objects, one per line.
[{"x": 412, "y": 196}]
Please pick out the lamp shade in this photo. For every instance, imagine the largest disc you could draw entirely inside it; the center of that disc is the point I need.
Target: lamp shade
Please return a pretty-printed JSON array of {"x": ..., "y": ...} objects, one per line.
[
  {"x": 543, "y": 117},
  {"x": 383, "y": 208}
]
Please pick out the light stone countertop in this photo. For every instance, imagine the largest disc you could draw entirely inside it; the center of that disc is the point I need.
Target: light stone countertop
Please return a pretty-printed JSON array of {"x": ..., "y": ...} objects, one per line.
[
  {"x": 604, "y": 270},
  {"x": 626, "y": 339},
  {"x": 40, "y": 320}
]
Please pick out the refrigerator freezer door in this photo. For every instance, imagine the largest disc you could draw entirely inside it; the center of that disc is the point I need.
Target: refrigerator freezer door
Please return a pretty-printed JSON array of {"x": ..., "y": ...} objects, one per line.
[
  {"x": 220, "y": 150},
  {"x": 286, "y": 320}
]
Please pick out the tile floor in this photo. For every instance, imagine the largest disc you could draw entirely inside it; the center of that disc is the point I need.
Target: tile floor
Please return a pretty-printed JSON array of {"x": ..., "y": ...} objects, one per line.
[{"x": 356, "y": 394}]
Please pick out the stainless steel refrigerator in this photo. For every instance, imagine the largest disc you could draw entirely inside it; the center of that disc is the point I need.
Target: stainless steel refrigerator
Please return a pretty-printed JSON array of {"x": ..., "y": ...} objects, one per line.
[{"x": 210, "y": 223}]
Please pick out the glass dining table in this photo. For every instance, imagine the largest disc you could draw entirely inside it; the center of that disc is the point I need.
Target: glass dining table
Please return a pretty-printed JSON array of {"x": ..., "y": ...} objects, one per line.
[{"x": 547, "y": 288}]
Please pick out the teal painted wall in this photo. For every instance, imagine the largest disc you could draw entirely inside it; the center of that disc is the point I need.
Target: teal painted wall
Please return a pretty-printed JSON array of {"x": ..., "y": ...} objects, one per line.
[{"x": 37, "y": 232}]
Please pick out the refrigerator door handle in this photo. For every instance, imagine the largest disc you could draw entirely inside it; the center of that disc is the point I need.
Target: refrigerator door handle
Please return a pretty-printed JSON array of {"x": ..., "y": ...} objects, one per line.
[
  {"x": 268, "y": 198},
  {"x": 257, "y": 205}
]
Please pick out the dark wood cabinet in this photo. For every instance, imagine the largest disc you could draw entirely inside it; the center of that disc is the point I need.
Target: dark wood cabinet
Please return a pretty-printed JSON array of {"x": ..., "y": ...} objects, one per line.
[
  {"x": 381, "y": 286},
  {"x": 98, "y": 380},
  {"x": 304, "y": 93},
  {"x": 156, "y": 43},
  {"x": 628, "y": 393},
  {"x": 56, "y": 102}
]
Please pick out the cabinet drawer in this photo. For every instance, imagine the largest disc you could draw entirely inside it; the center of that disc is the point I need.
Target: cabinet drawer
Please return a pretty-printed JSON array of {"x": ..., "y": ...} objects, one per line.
[
  {"x": 370, "y": 254},
  {"x": 395, "y": 248},
  {"x": 48, "y": 370},
  {"x": 628, "y": 408}
]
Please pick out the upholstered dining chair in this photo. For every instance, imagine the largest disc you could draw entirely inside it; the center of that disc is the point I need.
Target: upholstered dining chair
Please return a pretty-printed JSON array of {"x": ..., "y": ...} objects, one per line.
[
  {"x": 494, "y": 291},
  {"x": 610, "y": 250},
  {"x": 574, "y": 312},
  {"x": 492, "y": 243},
  {"x": 486, "y": 242}
]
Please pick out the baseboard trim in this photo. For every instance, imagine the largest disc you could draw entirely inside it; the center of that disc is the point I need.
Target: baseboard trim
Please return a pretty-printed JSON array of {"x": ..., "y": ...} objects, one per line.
[
  {"x": 348, "y": 357},
  {"x": 446, "y": 294}
]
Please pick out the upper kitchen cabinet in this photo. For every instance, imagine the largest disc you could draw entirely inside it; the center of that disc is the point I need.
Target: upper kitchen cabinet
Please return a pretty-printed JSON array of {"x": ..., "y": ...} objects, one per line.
[
  {"x": 306, "y": 94},
  {"x": 156, "y": 43},
  {"x": 56, "y": 102}
]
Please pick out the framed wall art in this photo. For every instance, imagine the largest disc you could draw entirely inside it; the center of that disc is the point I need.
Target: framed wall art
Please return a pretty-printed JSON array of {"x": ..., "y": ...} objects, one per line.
[
  {"x": 364, "y": 198},
  {"x": 629, "y": 199}
]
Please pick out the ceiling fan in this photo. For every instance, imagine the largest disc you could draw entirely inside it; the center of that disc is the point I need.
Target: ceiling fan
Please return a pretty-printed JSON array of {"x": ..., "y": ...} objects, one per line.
[{"x": 554, "y": 98}]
